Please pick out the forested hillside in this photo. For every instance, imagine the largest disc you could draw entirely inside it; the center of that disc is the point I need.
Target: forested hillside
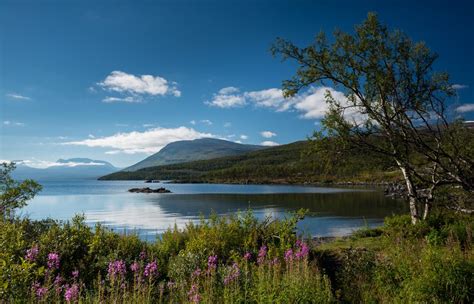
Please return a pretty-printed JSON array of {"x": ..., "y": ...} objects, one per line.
[{"x": 291, "y": 163}]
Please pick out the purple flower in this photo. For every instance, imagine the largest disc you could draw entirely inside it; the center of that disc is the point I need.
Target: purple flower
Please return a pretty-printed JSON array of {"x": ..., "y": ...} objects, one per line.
[
  {"x": 193, "y": 294},
  {"x": 53, "y": 260},
  {"x": 212, "y": 262},
  {"x": 150, "y": 269},
  {"x": 142, "y": 255},
  {"x": 247, "y": 256},
  {"x": 58, "y": 281},
  {"x": 39, "y": 291},
  {"x": 135, "y": 266},
  {"x": 171, "y": 285},
  {"x": 196, "y": 273},
  {"x": 233, "y": 274},
  {"x": 289, "y": 255},
  {"x": 303, "y": 251},
  {"x": 72, "y": 293},
  {"x": 75, "y": 274},
  {"x": 32, "y": 253},
  {"x": 262, "y": 253},
  {"x": 116, "y": 268}
]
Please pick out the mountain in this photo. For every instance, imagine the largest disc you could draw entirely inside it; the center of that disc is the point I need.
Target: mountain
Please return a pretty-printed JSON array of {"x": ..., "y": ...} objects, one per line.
[
  {"x": 285, "y": 164},
  {"x": 73, "y": 168},
  {"x": 191, "y": 150}
]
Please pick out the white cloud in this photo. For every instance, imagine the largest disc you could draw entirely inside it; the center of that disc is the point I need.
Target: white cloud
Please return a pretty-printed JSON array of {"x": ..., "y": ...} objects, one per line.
[
  {"x": 91, "y": 136},
  {"x": 269, "y": 143},
  {"x": 128, "y": 99},
  {"x": 17, "y": 96},
  {"x": 468, "y": 107},
  {"x": 311, "y": 103},
  {"x": 267, "y": 134},
  {"x": 227, "y": 98},
  {"x": 228, "y": 90},
  {"x": 270, "y": 98},
  {"x": 227, "y": 125},
  {"x": 243, "y": 136},
  {"x": 149, "y": 141},
  {"x": 13, "y": 123},
  {"x": 459, "y": 86},
  {"x": 122, "y": 82},
  {"x": 43, "y": 164},
  {"x": 206, "y": 122}
]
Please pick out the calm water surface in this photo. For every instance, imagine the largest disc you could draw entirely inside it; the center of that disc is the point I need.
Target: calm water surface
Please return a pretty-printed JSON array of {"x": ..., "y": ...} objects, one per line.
[{"x": 333, "y": 211}]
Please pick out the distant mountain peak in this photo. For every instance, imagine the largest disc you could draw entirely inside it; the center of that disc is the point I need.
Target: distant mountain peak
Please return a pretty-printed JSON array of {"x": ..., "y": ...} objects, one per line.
[{"x": 190, "y": 150}]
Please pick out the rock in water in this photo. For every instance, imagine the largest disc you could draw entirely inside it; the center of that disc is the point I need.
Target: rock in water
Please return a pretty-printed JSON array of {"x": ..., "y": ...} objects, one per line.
[{"x": 149, "y": 190}]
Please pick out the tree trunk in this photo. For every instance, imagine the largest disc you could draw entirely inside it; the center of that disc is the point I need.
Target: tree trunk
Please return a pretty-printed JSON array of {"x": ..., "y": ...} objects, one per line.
[
  {"x": 428, "y": 203},
  {"x": 427, "y": 210},
  {"x": 412, "y": 197}
]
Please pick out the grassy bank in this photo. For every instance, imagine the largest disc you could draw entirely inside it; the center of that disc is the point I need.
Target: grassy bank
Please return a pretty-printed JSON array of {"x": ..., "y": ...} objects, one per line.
[{"x": 237, "y": 259}]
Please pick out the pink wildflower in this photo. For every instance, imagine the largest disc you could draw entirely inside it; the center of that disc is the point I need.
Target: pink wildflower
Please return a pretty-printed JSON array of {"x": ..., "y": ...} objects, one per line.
[
  {"x": 262, "y": 253},
  {"x": 116, "y": 268},
  {"x": 193, "y": 294},
  {"x": 135, "y": 266},
  {"x": 39, "y": 291},
  {"x": 212, "y": 262},
  {"x": 32, "y": 253},
  {"x": 233, "y": 275},
  {"x": 150, "y": 269},
  {"x": 53, "y": 260},
  {"x": 72, "y": 293},
  {"x": 303, "y": 251},
  {"x": 196, "y": 273},
  {"x": 289, "y": 255}
]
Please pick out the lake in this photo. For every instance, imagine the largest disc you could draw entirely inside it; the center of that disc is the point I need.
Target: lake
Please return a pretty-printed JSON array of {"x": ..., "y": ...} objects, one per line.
[{"x": 332, "y": 211}]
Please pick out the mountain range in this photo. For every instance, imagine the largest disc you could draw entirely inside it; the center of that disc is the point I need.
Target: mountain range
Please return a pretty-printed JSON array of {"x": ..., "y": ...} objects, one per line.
[{"x": 73, "y": 168}]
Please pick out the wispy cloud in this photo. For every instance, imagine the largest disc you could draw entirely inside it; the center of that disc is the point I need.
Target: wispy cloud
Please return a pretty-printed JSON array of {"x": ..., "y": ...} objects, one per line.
[
  {"x": 128, "y": 99},
  {"x": 148, "y": 142},
  {"x": 468, "y": 107},
  {"x": 17, "y": 96},
  {"x": 227, "y": 125},
  {"x": 459, "y": 86},
  {"x": 269, "y": 143},
  {"x": 228, "y": 97},
  {"x": 267, "y": 134},
  {"x": 137, "y": 87},
  {"x": 206, "y": 122},
  {"x": 202, "y": 121},
  {"x": 13, "y": 123},
  {"x": 243, "y": 137}
]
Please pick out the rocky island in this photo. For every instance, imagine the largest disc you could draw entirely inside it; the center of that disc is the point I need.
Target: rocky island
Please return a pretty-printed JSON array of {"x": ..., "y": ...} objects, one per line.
[{"x": 149, "y": 190}]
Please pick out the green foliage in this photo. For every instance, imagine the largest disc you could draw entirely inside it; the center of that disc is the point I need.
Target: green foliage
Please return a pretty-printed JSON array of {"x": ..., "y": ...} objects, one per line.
[
  {"x": 430, "y": 262},
  {"x": 14, "y": 194}
]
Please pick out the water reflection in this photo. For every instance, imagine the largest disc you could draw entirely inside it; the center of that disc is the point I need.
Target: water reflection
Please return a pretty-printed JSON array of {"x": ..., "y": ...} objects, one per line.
[{"x": 332, "y": 211}]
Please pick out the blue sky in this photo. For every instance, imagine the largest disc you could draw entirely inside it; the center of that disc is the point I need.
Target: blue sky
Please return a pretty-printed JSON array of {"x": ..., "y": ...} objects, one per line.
[{"x": 72, "y": 78}]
